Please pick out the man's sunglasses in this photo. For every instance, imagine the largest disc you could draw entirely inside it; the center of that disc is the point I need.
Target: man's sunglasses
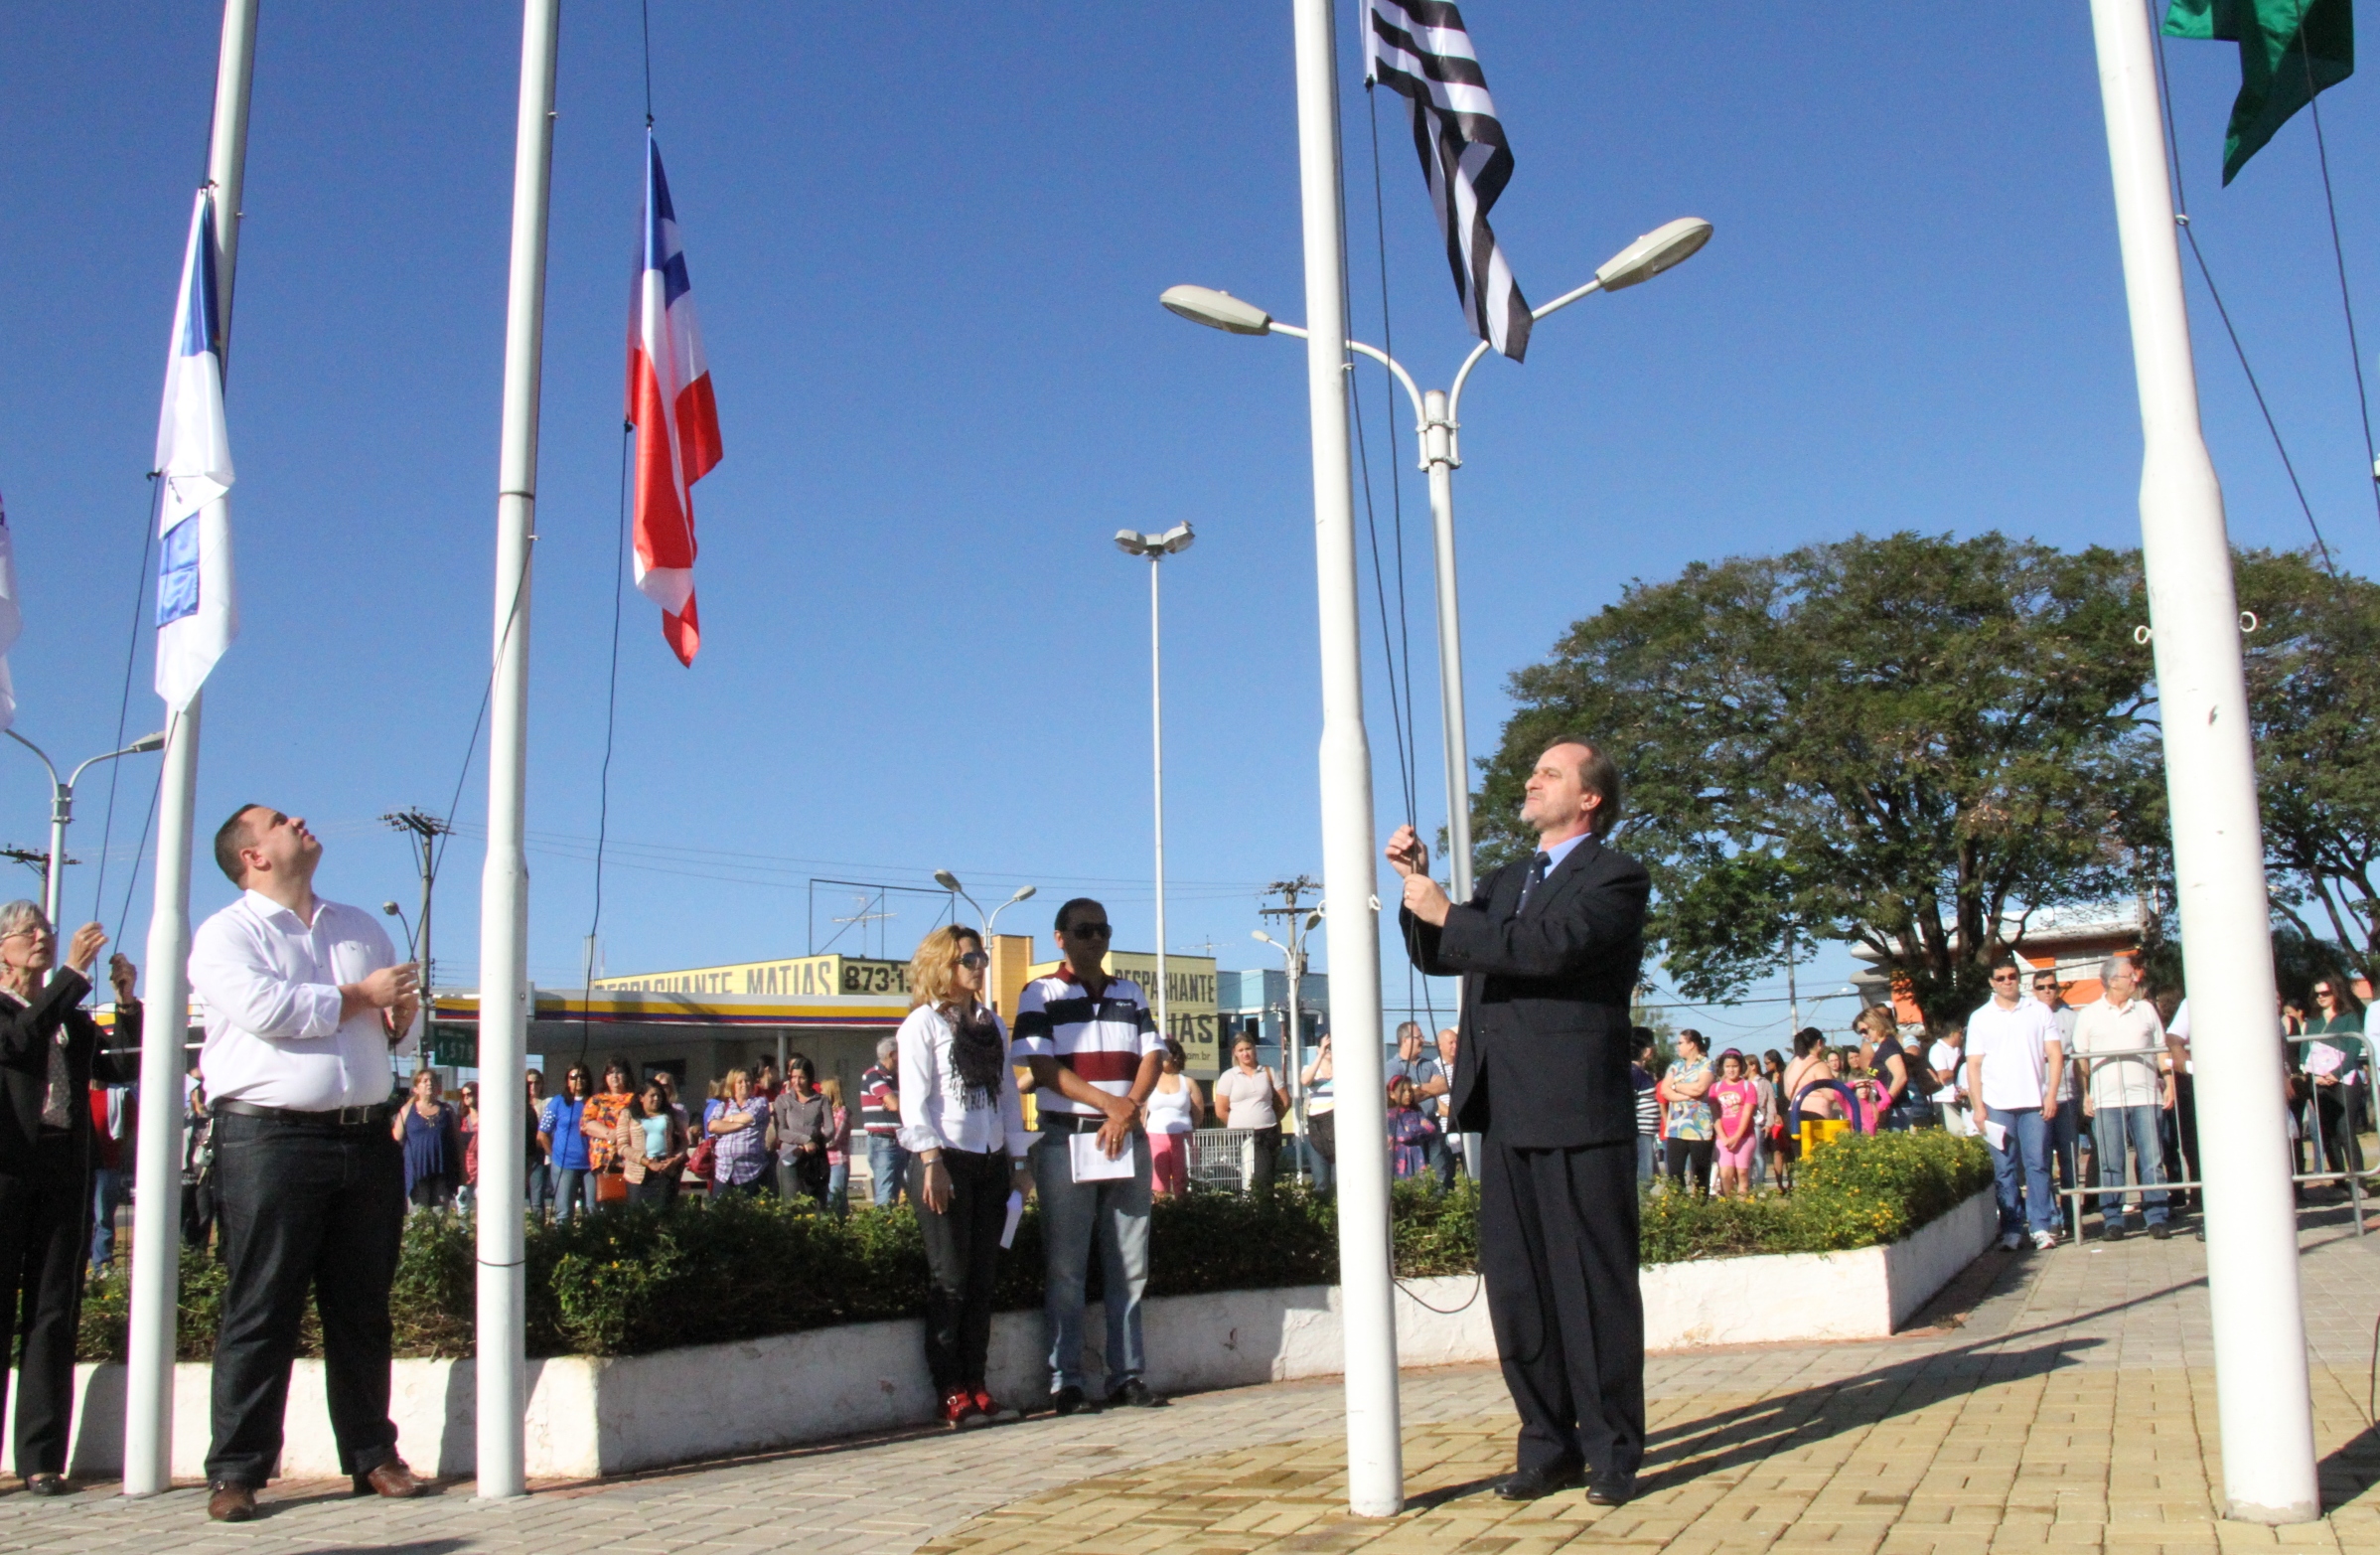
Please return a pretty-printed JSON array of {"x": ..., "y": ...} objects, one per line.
[
  {"x": 1091, "y": 931},
  {"x": 974, "y": 958},
  {"x": 2003, "y": 977}
]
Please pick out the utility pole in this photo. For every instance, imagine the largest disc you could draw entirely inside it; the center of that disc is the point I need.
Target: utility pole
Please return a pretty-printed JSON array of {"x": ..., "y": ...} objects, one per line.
[
  {"x": 426, "y": 829},
  {"x": 1293, "y": 1048}
]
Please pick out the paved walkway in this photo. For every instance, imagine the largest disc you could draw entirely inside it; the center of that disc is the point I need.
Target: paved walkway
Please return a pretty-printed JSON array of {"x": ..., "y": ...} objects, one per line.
[{"x": 2062, "y": 1399}]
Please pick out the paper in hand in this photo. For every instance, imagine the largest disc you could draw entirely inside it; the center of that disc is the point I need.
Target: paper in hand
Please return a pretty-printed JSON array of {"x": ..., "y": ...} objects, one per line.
[
  {"x": 1016, "y": 1212},
  {"x": 1997, "y": 1135},
  {"x": 1091, "y": 1164}
]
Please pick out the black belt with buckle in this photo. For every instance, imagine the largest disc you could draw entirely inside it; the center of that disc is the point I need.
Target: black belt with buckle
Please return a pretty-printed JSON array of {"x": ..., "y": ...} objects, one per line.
[{"x": 332, "y": 1118}]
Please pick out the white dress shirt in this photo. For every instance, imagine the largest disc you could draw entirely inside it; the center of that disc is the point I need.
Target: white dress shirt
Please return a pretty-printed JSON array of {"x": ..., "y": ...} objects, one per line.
[
  {"x": 269, "y": 984},
  {"x": 935, "y": 1114},
  {"x": 2122, "y": 1082}
]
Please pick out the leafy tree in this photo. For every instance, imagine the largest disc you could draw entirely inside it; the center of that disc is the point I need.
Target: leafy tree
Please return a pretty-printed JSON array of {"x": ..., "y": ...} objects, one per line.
[
  {"x": 1894, "y": 741},
  {"x": 2313, "y": 695}
]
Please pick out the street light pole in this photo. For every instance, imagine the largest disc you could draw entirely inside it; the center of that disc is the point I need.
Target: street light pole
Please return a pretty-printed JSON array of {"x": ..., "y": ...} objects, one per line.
[
  {"x": 2263, "y": 1398},
  {"x": 949, "y": 883},
  {"x": 1156, "y": 548},
  {"x": 61, "y": 814},
  {"x": 1437, "y": 418}
]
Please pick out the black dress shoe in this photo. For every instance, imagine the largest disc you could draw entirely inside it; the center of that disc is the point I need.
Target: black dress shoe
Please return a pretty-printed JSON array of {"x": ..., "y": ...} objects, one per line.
[
  {"x": 1069, "y": 1400},
  {"x": 1529, "y": 1485},
  {"x": 39, "y": 1484},
  {"x": 1133, "y": 1394},
  {"x": 1612, "y": 1490}
]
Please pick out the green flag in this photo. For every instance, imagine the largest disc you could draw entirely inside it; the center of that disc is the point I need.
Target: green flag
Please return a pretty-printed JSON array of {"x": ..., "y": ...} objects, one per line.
[{"x": 2282, "y": 43}]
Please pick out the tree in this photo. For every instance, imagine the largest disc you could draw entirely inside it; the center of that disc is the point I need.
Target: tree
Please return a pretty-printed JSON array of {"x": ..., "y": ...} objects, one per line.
[
  {"x": 2313, "y": 695},
  {"x": 1899, "y": 742}
]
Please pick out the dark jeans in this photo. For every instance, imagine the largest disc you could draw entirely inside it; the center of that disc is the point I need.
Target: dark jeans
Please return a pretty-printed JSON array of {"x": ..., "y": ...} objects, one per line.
[
  {"x": 654, "y": 1189},
  {"x": 111, "y": 1190},
  {"x": 429, "y": 1192},
  {"x": 963, "y": 1251},
  {"x": 1265, "y": 1148},
  {"x": 197, "y": 1210},
  {"x": 573, "y": 1192},
  {"x": 44, "y": 1231},
  {"x": 304, "y": 1205},
  {"x": 2340, "y": 1109},
  {"x": 1689, "y": 1159},
  {"x": 1557, "y": 1251},
  {"x": 538, "y": 1183}
]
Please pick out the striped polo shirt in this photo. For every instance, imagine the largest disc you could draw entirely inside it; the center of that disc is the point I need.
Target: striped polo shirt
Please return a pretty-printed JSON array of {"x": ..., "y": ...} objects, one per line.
[{"x": 1102, "y": 1039}]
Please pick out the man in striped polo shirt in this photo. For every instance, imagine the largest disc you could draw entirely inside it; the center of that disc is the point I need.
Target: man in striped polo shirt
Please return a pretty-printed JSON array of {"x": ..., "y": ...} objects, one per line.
[{"x": 1095, "y": 1056}]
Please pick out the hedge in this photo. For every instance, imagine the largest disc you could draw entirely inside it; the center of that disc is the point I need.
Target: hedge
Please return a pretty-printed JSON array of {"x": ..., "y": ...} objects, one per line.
[{"x": 638, "y": 1279}]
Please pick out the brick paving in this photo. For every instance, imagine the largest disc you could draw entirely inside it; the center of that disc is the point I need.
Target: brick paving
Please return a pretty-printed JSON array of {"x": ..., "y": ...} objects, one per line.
[{"x": 2061, "y": 1400}]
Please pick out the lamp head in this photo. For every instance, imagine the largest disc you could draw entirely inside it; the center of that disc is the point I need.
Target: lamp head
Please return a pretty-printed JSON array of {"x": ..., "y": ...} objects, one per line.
[
  {"x": 1215, "y": 310},
  {"x": 1261, "y": 936},
  {"x": 1132, "y": 542},
  {"x": 1174, "y": 540},
  {"x": 947, "y": 881},
  {"x": 1657, "y": 251},
  {"x": 1024, "y": 891},
  {"x": 147, "y": 743},
  {"x": 391, "y": 909},
  {"x": 1313, "y": 920}
]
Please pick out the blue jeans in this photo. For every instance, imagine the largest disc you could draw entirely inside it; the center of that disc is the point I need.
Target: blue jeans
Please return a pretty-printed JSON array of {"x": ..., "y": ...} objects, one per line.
[
  {"x": 888, "y": 1163},
  {"x": 110, "y": 1189},
  {"x": 572, "y": 1187},
  {"x": 1647, "y": 1147},
  {"x": 540, "y": 1183},
  {"x": 2110, "y": 1130},
  {"x": 2026, "y": 1197},
  {"x": 1073, "y": 1214},
  {"x": 838, "y": 1189}
]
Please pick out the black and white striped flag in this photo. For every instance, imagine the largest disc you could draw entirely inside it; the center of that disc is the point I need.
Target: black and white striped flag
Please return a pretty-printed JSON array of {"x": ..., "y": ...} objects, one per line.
[{"x": 1419, "y": 48}]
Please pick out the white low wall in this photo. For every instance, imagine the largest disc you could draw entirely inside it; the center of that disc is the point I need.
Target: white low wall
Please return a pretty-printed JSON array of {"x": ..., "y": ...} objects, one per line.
[{"x": 591, "y": 1417}]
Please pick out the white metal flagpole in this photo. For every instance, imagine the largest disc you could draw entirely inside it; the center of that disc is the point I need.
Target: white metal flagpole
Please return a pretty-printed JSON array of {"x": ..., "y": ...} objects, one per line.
[
  {"x": 1350, "y": 864},
  {"x": 1156, "y": 724},
  {"x": 505, "y": 1007},
  {"x": 2263, "y": 1401},
  {"x": 157, "y": 1150}
]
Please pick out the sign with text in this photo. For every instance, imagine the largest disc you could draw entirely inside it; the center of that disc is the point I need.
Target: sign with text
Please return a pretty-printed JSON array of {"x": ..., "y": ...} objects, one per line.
[{"x": 796, "y": 975}]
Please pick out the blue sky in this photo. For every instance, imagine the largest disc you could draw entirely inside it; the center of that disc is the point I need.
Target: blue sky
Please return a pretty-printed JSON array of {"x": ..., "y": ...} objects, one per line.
[{"x": 926, "y": 243}]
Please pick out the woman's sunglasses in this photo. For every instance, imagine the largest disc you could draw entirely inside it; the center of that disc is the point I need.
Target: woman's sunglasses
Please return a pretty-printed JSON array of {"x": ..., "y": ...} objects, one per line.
[{"x": 976, "y": 959}]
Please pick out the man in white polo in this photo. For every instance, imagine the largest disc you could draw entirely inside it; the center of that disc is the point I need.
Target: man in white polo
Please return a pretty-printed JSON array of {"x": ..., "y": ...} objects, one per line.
[
  {"x": 2120, "y": 1053},
  {"x": 2016, "y": 1067}
]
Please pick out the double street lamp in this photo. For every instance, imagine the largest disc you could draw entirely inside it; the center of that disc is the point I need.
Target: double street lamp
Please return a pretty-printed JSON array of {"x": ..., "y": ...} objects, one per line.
[
  {"x": 1437, "y": 418},
  {"x": 949, "y": 883},
  {"x": 61, "y": 810},
  {"x": 1156, "y": 548}
]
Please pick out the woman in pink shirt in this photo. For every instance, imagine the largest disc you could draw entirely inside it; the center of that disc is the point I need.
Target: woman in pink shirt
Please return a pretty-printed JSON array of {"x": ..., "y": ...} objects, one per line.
[{"x": 1737, "y": 1102}]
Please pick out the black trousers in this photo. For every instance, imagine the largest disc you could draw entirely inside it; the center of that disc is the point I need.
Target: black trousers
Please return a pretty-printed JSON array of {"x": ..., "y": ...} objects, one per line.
[
  {"x": 2340, "y": 1111},
  {"x": 1558, "y": 1247},
  {"x": 963, "y": 1250},
  {"x": 1691, "y": 1160},
  {"x": 45, "y": 1236},
  {"x": 1265, "y": 1169},
  {"x": 304, "y": 1205}
]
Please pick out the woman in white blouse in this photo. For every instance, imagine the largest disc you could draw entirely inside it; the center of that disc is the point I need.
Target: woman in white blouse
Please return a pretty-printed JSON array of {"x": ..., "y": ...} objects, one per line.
[{"x": 965, "y": 1132}]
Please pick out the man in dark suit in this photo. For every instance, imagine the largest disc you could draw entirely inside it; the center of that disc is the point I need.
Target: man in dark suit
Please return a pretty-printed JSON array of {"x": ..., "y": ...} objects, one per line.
[{"x": 1549, "y": 948}]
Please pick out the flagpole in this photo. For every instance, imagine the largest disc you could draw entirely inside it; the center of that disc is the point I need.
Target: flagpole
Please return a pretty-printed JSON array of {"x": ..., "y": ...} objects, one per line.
[
  {"x": 503, "y": 1011},
  {"x": 2263, "y": 1401},
  {"x": 1350, "y": 865},
  {"x": 157, "y": 1154}
]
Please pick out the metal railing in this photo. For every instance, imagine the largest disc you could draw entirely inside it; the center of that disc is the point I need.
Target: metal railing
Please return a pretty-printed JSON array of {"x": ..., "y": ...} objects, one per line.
[{"x": 2310, "y": 1126}]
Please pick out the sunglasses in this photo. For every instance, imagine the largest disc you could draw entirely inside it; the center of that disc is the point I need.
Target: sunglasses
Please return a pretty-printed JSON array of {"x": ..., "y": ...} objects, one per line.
[
  {"x": 974, "y": 958},
  {"x": 1091, "y": 931},
  {"x": 2003, "y": 977}
]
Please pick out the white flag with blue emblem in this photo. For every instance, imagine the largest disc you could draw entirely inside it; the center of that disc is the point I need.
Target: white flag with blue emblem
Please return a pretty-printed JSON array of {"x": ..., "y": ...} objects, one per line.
[{"x": 198, "y": 613}]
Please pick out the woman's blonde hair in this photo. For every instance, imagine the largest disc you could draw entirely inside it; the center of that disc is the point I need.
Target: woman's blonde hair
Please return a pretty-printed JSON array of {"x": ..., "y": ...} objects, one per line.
[
  {"x": 1878, "y": 1022},
  {"x": 934, "y": 965},
  {"x": 727, "y": 1081},
  {"x": 832, "y": 1089}
]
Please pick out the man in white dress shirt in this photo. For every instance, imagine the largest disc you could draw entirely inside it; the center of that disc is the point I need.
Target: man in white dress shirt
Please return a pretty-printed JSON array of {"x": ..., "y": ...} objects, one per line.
[
  {"x": 305, "y": 1001},
  {"x": 2015, "y": 1073}
]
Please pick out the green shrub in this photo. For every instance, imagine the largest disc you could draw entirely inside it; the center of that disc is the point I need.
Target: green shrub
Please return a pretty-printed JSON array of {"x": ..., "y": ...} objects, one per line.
[{"x": 642, "y": 1278}]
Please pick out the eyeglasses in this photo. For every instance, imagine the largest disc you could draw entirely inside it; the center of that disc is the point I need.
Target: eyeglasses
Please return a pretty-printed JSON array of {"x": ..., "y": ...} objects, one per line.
[
  {"x": 2003, "y": 977},
  {"x": 1091, "y": 931},
  {"x": 974, "y": 958}
]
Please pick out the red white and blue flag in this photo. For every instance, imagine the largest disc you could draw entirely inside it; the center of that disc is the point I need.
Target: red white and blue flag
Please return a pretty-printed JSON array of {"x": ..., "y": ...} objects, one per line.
[{"x": 678, "y": 423}]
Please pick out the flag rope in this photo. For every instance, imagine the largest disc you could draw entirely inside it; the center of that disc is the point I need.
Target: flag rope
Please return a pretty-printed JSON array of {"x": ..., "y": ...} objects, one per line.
[
  {"x": 2338, "y": 255},
  {"x": 2181, "y": 218},
  {"x": 611, "y": 715},
  {"x": 123, "y": 712}
]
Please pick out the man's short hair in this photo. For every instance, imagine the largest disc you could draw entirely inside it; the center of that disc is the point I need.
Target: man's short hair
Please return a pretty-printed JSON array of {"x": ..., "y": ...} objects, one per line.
[
  {"x": 2115, "y": 964},
  {"x": 1600, "y": 776},
  {"x": 886, "y": 1048},
  {"x": 1066, "y": 907},
  {"x": 1402, "y": 1027},
  {"x": 229, "y": 838}
]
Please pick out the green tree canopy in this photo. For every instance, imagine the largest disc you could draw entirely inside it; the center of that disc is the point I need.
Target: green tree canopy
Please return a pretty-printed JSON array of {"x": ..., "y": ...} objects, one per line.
[
  {"x": 1892, "y": 741},
  {"x": 2314, "y": 694}
]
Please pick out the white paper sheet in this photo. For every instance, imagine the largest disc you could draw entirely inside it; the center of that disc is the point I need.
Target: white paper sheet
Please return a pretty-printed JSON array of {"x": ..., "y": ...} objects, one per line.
[
  {"x": 1016, "y": 1212},
  {"x": 1997, "y": 1136},
  {"x": 1091, "y": 1164}
]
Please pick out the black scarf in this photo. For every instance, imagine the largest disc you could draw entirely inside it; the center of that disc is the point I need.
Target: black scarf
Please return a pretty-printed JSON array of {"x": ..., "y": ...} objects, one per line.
[{"x": 977, "y": 1055}]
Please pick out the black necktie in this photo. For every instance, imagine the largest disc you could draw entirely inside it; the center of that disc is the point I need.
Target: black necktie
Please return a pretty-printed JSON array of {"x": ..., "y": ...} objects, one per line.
[{"x": 1537, "y": 874}]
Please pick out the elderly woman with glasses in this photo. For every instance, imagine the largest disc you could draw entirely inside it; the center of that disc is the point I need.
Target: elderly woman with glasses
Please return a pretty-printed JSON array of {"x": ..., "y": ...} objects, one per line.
[{"x": 49, "y": 1054}]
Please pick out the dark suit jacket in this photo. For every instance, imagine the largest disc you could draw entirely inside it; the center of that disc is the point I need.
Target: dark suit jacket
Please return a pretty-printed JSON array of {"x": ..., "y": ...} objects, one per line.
[
  {"x": 1542, "y": 1060},
  {"x": 27, "y": 1033}
]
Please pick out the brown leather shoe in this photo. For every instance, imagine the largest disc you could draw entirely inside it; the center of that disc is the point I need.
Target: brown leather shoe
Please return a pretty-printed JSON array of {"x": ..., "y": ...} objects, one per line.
[
  {"x": 231, "y": 1504},
  {"x": 391, "y": 1478}
]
